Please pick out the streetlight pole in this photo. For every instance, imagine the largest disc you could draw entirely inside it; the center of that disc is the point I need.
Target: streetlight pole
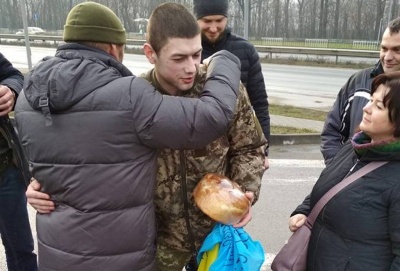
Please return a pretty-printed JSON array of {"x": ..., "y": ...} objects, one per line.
[{"x": 22, "y": 4}]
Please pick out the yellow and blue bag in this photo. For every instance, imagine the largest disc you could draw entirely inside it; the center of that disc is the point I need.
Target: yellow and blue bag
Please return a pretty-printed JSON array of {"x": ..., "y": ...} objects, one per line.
[{"x": 227, "y": 249}]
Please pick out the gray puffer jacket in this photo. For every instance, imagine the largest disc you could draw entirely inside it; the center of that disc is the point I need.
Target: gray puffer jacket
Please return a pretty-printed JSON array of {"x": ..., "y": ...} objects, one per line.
[{"x": 90, "y": 131}]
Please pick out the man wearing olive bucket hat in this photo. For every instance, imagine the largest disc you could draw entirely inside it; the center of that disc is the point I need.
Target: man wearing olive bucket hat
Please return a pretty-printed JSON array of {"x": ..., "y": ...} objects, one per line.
[
  {"x": 91, "y": 130},
  {"x": 175, "y": 50}
]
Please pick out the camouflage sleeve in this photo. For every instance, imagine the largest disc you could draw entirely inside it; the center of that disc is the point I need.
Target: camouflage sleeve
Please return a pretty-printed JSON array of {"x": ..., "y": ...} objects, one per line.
[{"x": 247, "y": 145}]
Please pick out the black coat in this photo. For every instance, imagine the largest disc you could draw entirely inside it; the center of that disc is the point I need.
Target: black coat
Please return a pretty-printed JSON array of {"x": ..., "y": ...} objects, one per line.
[
  {"x": 359, "y": 228},
  {"x": 251, "y": 72}
]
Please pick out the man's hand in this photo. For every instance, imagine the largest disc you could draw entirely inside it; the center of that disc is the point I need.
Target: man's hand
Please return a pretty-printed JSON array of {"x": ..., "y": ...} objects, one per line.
[
  {"x": 247, "y": 217},
  {"x": 7, "y": 100},
  {"x": 266, "y": 163},
  {"x": 39, "y": 201},
  {"x": 206, "y": 61},
  {"x": 296, "y": 221}
]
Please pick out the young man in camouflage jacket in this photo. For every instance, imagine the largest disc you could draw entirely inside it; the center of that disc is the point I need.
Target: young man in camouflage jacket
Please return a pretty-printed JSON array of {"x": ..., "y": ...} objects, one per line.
[
  {"x": 175, "y": 50},
  {"x": 239, "y": 154}
]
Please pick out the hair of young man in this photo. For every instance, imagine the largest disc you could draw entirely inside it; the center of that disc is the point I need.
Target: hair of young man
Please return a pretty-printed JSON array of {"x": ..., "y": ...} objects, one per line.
[
  {"x": 394, "y": 26},
  {"x": 392, "y": 98},
  {"x": 170, "y": 20}
]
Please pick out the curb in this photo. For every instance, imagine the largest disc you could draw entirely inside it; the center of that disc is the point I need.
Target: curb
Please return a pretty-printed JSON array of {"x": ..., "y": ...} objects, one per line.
[{"x": 294, "y": 139}]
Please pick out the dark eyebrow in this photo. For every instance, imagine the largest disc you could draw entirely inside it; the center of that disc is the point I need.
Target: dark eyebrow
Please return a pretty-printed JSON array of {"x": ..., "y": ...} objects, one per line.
[
  {"x": 185, "y": 55},
  {"x": 391, "y": 48}
]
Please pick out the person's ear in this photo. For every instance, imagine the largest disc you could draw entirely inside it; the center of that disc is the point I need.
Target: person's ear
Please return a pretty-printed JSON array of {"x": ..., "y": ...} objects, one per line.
[
  {"x": 149, "y": 52},
  {"x": 115, "y": 51}
]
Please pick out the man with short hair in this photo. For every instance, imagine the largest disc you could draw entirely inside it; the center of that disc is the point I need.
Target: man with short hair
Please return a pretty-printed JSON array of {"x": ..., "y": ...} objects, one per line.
[
  {"x": 91, "y": 132},
  {"x": 346, "y": 114},
  {"x": 15, "y": 230},
  {"x": 212, "y": 17},
  {"x": 175, "y": 51}
]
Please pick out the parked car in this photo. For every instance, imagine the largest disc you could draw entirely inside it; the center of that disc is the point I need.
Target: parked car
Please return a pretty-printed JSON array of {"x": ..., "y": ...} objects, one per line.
[{"x": 32, "y": 30}]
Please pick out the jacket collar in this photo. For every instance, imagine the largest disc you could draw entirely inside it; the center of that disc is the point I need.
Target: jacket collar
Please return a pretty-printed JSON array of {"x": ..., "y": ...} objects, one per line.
[
  {"x": 368, "y": 151},
  {"x": 378, "y": 69},
  {"x": 89, "y": 52}
]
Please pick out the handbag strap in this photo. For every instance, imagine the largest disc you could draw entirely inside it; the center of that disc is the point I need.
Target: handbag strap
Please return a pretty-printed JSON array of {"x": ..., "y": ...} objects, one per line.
[{"x": 334, "y": 190}]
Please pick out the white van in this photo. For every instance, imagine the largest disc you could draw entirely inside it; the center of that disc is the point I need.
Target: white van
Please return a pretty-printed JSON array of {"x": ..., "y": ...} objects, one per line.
[{"x": 32, "y": 30}]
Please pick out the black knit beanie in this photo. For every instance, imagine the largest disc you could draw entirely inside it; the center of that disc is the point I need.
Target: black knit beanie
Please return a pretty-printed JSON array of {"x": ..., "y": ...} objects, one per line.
[
  {"x": 203, "y": 8},
  {"x": 93, "y": 22}
]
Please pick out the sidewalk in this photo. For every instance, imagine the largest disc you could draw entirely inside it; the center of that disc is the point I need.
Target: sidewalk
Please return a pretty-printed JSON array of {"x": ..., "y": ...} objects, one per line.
[{"x": 291, "y": 139}]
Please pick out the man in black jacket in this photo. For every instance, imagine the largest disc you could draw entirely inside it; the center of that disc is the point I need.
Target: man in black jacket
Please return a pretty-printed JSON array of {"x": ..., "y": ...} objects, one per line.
[
  {"x": 212, "y": 18},
  {"x": 15, "y": 230},
  {"x": 346, "y": 113}
]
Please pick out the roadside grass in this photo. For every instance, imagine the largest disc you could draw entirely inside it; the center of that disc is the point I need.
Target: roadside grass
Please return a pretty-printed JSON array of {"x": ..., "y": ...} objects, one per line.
[
  {"x": 297, "y": 112},
  {"x": 294, "y": 112},
  {"x": 281, "y": 130}
]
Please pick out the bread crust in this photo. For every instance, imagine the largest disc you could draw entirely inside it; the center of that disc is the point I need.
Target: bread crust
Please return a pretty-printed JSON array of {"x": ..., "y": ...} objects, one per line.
[{"x": 221, "y": 199}]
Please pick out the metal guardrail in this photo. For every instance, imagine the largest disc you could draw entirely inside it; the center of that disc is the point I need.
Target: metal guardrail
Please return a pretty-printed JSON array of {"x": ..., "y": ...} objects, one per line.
[
  {"x": 56, "y": 39},
  {"x": 261, "y": 49},
  {"x": 317, "y": 51}
]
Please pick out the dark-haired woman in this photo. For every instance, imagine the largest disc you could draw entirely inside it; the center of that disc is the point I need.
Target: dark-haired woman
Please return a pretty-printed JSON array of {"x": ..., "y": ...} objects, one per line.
[{"x": 359, "y": 228}]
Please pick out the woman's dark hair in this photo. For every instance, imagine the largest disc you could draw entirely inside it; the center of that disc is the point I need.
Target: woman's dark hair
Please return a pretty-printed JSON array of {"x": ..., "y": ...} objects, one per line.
[{"x": 392, "y": 98}]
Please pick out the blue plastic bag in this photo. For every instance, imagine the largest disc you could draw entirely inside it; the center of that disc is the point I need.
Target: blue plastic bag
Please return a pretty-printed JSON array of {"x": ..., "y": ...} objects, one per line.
[{"x": 236, "y": 252}]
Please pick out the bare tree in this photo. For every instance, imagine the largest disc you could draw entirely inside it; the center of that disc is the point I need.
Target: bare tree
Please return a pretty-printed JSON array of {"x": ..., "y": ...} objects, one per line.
[
  {"x": 336, "y": 24},
  {"x": 338, "y": 19},
  {"x": 301, "y": 17},
  {"x": 313, "y": 19},
  {"x": 277, "y": 17},
  {"x": 323, "y": 18},
  {"x": 286, "y": 19},
  {"x": 379, "y": 15}
]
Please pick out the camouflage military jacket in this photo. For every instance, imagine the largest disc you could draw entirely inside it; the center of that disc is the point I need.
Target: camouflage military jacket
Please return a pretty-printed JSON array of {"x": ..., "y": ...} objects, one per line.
[{"x": 239, "y": 155}]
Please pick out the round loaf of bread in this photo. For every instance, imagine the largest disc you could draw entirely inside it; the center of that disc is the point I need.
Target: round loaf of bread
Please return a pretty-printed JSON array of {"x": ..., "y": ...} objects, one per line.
[{"x": 221, "y": 199}]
